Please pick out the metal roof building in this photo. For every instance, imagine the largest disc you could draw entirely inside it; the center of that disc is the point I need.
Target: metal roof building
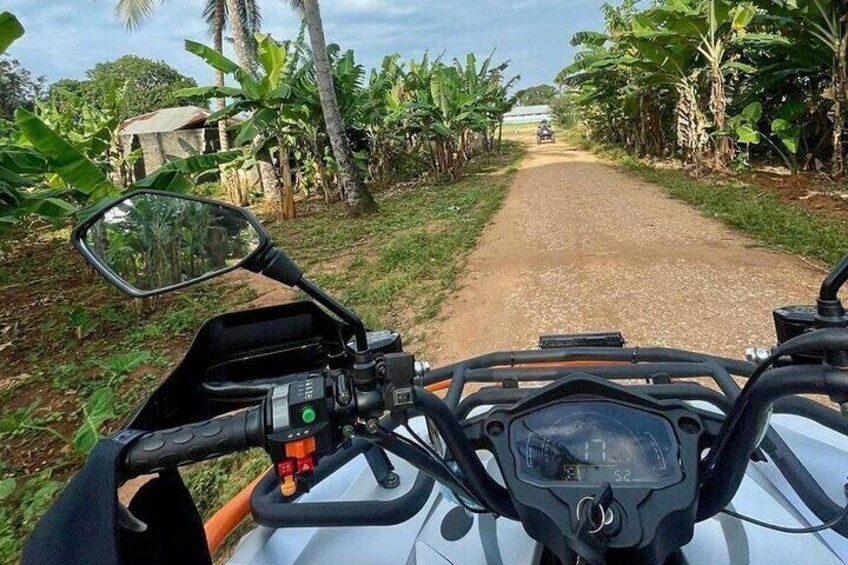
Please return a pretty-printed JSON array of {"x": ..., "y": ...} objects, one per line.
[
  {"x": 165, "y": 120},
  {"x": 168, "y": 134},
  {"x": 528, "y": 114}
]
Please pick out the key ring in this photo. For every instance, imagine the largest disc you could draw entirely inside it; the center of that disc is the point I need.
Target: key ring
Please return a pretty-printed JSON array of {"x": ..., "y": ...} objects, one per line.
[{"x": 606, "y": 515}]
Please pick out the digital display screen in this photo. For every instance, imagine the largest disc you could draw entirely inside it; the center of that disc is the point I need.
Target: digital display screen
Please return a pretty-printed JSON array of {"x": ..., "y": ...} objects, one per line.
[{"x": 592, "y": 442}]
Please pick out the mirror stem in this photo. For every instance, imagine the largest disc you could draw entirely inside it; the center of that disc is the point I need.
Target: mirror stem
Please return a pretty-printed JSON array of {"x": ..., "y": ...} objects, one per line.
[
  {"x": 313, "y": 291},
  {"x": 275, "y": 264}
]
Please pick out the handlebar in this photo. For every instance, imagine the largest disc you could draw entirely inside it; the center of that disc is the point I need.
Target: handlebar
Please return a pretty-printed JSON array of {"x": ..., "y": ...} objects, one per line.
[
  {"x": 174, "y": 447},
  {"x": 721, "y": 472}
]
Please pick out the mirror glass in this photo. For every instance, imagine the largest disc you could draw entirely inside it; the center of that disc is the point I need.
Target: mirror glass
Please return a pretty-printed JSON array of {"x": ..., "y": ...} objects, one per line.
[{"x": 156, "y": 241}]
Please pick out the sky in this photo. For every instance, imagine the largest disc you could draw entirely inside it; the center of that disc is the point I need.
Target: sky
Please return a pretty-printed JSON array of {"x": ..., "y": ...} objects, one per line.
[{"x": 64, "y": 38}]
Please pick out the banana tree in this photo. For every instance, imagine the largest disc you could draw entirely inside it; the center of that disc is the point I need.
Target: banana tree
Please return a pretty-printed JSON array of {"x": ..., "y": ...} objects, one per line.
[
  {"x": 645, "y": 68},
  {"x": 445, "y": 105},
  {"x": 264, "y": 94},
  {"x": 712, "y": 27},
  {"x": 827, "y": 22}
]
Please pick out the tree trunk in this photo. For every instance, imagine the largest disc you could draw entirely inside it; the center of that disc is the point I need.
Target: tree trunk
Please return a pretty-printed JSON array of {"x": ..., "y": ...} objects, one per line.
[
  {"x": 357, "y": 197},
  {"x": 231, "y": 185},
  {"x": 718, "y": 107},
  {"x": 287, "y": 200},
  {"x": 218, "y": 45},
  {"x": 500, "y": 136},
  {"x": 239, "y": 35},
  {"x": 840, "y": 99}
]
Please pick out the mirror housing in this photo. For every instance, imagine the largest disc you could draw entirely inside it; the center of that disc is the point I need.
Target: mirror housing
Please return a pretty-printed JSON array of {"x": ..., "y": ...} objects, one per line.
[
  {"x": 174, "y": 242},
  {"x": 149, "y": 242}
]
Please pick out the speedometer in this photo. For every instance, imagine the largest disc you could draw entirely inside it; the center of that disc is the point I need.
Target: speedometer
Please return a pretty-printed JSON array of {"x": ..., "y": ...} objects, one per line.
[{"x": 592, "y": 442}]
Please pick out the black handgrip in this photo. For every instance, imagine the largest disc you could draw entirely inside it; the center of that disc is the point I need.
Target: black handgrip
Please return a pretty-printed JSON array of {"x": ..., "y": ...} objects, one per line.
[{"x": 166, "y": 449}]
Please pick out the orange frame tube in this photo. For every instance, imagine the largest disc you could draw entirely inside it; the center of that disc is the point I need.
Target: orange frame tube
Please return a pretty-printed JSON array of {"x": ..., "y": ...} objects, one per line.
[
  {"x": 233, "y": 513},
  {"x": 228, "y": 517}
]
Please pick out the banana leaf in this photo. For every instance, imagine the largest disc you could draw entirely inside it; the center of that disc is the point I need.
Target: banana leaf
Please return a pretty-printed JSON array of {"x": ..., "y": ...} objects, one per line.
[
  {"x": 272, "y": 57},
  {"x": 198, "y": 164},
  {"x": 10, "y": 30},
  {"x": 171, "y": 176},
  {"x": 64, "y": 159},
  {"x": 221, "y": 63},
  {"x": 166, "y": 180},
  {"x": 54, "y": 208},
  {"x": 22, "y": 161},
  {"x": 212, "y": 57},
  {"x": 254, "y": 125}
]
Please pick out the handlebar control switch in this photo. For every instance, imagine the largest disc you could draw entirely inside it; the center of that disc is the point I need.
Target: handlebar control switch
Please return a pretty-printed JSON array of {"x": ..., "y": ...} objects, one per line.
[
  {"x": 400, "y": 378},
  {"x": 297, "y": 417}
]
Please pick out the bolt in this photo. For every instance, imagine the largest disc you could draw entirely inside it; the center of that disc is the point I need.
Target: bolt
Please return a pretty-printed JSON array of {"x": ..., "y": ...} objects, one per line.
[
  {"x": 348, "y": 431},
  {"x": 372, "y": 426},
  {"x": 495, "y": 428},
  {"x": 391, "y": 481}
]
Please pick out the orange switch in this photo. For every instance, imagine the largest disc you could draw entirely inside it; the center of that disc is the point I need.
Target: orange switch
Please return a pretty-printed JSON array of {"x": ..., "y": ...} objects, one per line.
[
  {"x": 300, "y": 448},
  {"x": 288, "y": 486}
]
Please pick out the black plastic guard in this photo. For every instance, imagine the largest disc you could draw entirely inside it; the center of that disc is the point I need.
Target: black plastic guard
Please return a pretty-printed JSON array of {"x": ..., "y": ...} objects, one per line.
[{"x": 241, "y": 346}]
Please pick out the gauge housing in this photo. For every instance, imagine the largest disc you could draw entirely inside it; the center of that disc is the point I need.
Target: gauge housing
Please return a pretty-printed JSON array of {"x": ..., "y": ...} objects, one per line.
[
  {"x": 590, "y": 442},
  {"x": 651, "y": 517}
]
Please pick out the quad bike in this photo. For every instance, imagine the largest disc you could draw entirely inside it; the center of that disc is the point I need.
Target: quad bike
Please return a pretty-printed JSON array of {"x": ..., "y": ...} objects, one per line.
[
  {"x": 545, "y": 133},
  {"x": 581, "y": 451}
]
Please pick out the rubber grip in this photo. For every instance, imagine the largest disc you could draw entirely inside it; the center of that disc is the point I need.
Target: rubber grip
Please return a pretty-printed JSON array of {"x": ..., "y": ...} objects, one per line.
[{"x": 166, "y": 449}]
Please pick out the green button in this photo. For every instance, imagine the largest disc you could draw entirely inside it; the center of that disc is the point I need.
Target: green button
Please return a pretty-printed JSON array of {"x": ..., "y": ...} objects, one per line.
[{"x": 307, "y": 414}]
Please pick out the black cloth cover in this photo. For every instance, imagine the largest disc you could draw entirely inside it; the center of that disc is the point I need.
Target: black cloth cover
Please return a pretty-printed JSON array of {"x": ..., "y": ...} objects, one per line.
[{"x": 82, "y": 525}]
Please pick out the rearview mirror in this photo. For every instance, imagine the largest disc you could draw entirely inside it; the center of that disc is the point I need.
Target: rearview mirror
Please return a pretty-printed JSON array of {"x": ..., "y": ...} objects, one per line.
[{"x": 150, "y": 242}]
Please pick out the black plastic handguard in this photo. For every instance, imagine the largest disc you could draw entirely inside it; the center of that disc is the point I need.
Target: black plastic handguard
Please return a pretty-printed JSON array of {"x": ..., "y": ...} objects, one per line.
[{"x": 166, "y": 449}]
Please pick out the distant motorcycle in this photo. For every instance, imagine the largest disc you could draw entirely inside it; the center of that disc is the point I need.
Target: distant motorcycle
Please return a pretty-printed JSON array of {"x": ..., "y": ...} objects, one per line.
[{"x": 545, "y": 133}]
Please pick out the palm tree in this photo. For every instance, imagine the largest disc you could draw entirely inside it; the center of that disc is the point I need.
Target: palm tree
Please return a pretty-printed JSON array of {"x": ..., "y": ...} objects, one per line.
[
  {"x": 243, "y": 28},
  {"x": 357, "y": 197}
]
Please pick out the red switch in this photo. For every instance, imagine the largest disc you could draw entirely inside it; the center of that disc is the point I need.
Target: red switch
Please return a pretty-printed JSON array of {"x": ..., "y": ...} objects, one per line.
[
  {"x": 285, "y": 468},
  {"x": 305, "y": 465}
]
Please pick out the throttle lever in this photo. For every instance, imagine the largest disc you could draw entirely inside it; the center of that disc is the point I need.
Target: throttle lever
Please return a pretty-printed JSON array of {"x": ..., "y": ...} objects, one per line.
[{"x": 593, "y": 515}]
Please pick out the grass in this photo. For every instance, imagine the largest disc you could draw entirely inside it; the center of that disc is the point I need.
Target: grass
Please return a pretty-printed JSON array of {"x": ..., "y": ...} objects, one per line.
[
  {"x": 751, "y": 210},
  {"x": 68, "y": 336}
]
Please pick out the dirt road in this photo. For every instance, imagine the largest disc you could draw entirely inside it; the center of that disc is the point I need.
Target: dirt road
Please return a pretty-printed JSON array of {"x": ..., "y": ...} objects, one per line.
[{"x": 582, "y": 246}]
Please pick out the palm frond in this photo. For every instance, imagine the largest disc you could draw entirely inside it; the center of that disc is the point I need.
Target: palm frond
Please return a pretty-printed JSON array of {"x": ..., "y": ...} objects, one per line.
[
  {"x": 295, "y": 5},
  {"x": 134, "y": 12}
]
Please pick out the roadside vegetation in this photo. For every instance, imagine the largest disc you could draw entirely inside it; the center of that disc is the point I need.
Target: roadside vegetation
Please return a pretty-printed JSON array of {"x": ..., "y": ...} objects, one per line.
[
  {"x": 83, "y": 357},
  {"x": 721, "y": 84}
]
